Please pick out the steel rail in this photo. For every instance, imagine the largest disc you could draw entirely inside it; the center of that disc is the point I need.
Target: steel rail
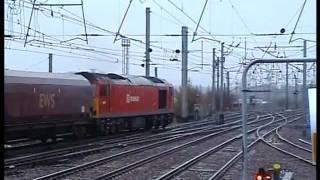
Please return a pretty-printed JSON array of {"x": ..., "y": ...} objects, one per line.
[
  {"x": 131, "y": 166},
  {"x": 97, "y": 162},
  {"x": 73, "y": 151},
  {"x": 291, "y": 143},
  {"x": 109, "y": 158},
  {"x": 219, "y": 173},
  {"x": 289, "y": 153},
  {"x": 170, "y": 174},
  {"x": 305, "y": 142},
  {"x": 113, "y": 157},
  {"x": 244, "y": 101},
  {"x": 100, "y": 161}
]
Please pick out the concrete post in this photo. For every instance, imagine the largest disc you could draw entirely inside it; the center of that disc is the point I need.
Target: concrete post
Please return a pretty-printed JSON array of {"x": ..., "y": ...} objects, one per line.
[
  {"x": 156, "y": 72},
  {"x": 147, "y": 41},
  {"x": 50, "y": 62},
  {"x": 287, "y": 84},
  {"x": 213, "y": 83},
  {"x": 184, "y": 99},
  {"x": 304, "y": 92}
]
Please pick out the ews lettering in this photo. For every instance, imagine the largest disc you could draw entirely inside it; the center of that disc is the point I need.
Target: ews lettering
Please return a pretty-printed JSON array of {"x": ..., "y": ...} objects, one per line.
[{"x": 46, "y": 100}]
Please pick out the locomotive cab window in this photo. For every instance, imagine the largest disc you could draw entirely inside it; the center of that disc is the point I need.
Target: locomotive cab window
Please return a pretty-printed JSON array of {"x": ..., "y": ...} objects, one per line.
[{"x": 162, "y": 99}]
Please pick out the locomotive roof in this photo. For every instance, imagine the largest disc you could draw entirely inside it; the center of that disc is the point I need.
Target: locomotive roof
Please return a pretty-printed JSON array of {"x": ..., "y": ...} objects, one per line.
[
  {"x": 130, "y": 79},
  {"x": 27, "y": 77}
]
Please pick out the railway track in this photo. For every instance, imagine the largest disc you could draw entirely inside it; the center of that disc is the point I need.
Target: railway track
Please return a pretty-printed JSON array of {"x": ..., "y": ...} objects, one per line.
[
  {"x": 135, "y": 163},
  {"x": 205, "y": 121},
  {"x": 290, "y": 148},
  {"x": 260, "y": 137},
  {"x": 99, "y": 146},
  {"x": 305, "y": 142},
  {"x": 202, "y": 164},
  {"x": 15, "y": 146},
  {"x": 146, "y": 153},
  {"x": 290, "y": 134},
  {"x": 230, "y": 121},
  {"x": 31, "y": 147},
  {"x": 156, "y": 171},
  {"x": 182, "y": 166}
]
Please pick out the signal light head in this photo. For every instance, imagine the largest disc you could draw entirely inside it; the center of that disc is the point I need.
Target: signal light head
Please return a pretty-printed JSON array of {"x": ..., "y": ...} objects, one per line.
[{"x": 263, "y": 177}]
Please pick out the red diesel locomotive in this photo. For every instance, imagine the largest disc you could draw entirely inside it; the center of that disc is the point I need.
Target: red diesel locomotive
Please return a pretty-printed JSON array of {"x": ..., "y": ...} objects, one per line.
[{"x": 40, "y": 105}]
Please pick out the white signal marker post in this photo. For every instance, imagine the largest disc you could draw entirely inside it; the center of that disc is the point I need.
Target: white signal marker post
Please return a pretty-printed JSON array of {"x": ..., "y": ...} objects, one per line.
[
  {"x": 244, "y": 110},
  {"x": 312, "y": 98}
]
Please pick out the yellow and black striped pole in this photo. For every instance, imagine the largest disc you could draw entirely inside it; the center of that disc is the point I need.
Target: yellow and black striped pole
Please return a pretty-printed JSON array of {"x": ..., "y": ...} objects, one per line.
[{"x": 314, "y": 147}]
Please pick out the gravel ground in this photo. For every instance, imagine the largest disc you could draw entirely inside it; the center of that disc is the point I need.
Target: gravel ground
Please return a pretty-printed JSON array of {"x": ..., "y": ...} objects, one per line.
[
  {"x": 264, "y": 156},
  {"x": 160, "y": 166},
  {"x": 208, "y": 166},
  {"x": 201, "y": 170},
  {"x": 9, "y": 153},
  {"x": 112, "y": 165},
  {"x": 293, "y": 132},
  {"x": 41, "y": 170}
]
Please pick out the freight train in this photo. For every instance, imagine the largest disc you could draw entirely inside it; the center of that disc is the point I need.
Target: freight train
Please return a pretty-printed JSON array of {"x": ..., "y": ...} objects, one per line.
[{"x": 40, "y": 105}]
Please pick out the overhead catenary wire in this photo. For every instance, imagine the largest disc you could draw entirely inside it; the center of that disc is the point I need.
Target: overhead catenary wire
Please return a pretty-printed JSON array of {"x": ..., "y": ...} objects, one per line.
[
  {"x": 204, "y": 7},
  {"x": 125, "y": 14},
  {"x": 52, "y": 40},
  {"x": 72, "y": 45},
  {"x": 295, "y": 26}
]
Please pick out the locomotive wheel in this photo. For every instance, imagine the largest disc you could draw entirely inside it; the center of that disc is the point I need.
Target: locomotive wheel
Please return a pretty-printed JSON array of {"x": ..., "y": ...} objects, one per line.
[
  {"x": 102, "y": 129},
  {"x": 109, "y": 130},
  {"x": 148, "y": 123},
  {"x": 129, "y": 125},
  {"x": 156, "y": 124},
  {"x": 44, "y": 140},
  {"x": 44, "y": 137},
  {"x": 112, "y": 129},
  {"x": 164, "y": 123},
  {"x": 80, "y": 132},
  {"x": 92, "y": 131},
  {"x": 53, "y": 140},
  {"x": 117, "y": 130}
]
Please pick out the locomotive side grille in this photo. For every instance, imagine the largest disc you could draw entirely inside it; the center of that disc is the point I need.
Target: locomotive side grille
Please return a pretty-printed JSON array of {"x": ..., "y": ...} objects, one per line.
[{"x": 162, "y": 99}]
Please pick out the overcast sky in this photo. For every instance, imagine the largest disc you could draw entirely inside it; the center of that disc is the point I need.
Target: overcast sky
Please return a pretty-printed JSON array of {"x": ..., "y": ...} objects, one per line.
[{"x": 231, "y": 21}]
